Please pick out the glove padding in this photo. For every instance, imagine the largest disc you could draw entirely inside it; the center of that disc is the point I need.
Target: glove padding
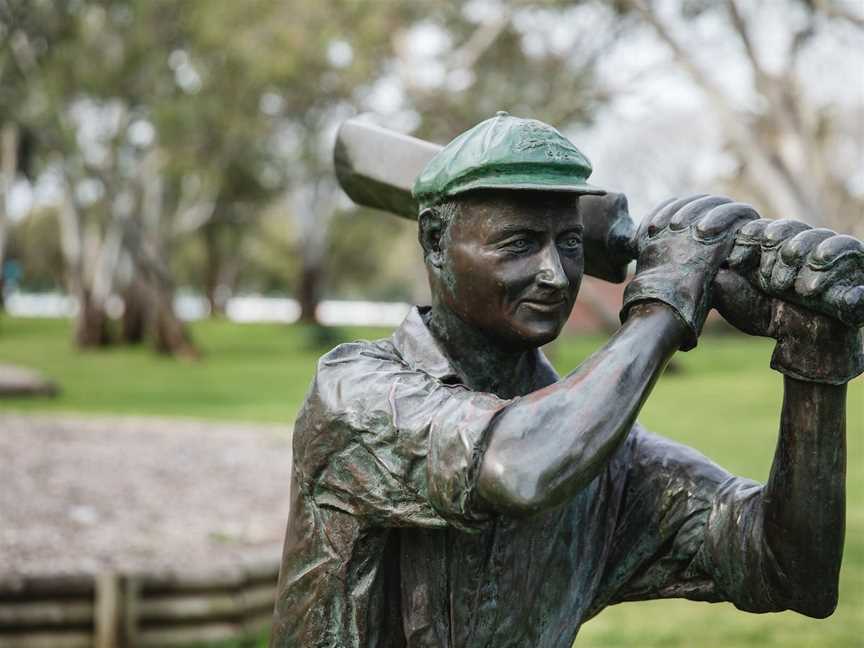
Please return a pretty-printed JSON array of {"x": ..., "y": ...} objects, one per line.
[
  {"x": 816, "y": 278},
  {"x": 681, "y": 247}
]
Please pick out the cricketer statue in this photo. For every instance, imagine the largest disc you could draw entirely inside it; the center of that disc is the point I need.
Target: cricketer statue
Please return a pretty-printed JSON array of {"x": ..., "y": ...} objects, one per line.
[{"x": 450, "y": 490}]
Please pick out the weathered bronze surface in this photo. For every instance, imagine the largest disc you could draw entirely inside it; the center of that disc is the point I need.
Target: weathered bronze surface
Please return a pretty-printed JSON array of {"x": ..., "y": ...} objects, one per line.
[{"x": 450, "y": 490}]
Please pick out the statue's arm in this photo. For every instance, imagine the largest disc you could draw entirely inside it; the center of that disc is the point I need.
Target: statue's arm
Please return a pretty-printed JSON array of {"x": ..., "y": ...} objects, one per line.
[
  {"x": 803, "y": 503},
  {"x": 798, "y": 518},
  {"x": 546, "y": 446}
]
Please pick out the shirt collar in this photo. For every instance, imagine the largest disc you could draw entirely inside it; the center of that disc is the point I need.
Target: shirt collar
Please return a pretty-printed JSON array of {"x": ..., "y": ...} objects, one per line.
[{"x": 418, "y": 348}]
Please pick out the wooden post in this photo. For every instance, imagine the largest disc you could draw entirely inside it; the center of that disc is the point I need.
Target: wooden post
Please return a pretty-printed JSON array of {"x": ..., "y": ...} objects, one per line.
[
  {"x": 108, "y": 610},
  {"x": 132, "y": 592}
]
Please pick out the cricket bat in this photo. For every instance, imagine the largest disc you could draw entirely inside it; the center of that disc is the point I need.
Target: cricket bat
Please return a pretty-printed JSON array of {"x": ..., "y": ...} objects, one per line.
[{"x": 377, "y": 168}]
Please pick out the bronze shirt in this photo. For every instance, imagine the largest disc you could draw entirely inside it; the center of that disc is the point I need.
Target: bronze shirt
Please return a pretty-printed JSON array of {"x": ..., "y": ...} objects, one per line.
[{"x": 388, "y": 546}]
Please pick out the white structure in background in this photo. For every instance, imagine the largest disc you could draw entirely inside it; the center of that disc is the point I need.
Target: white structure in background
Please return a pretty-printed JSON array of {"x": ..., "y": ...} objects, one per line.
[
  {"x": 40, "y": 305},
  {"x": 249, "y": 308},
  {"x": 255, "y": 308},
  {"x": 361, "y": 313}
]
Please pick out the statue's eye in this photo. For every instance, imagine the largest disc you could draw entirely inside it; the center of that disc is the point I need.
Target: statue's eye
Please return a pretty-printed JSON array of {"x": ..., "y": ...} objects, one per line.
[
  {"x": 571, "y": 242},
  {"x": 518, "y": 244}
]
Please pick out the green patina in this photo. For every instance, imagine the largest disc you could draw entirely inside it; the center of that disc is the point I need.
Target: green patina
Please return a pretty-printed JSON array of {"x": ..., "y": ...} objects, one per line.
[{"x": 505, "y": 152}]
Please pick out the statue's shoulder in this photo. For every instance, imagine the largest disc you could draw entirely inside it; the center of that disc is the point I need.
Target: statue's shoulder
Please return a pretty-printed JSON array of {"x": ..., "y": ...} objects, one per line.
[
  {"x": 353, "y": 373},
  {"x": 348, "y": 396},
  {"x": 349, "y": 355}
]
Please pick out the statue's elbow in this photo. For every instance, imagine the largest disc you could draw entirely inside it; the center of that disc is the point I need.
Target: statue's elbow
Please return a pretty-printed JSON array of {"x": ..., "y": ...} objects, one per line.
[
  {"x": 820, "y": 603},
  {"x": 814, "y": 598},
  {"x": 508, "y": 489}
]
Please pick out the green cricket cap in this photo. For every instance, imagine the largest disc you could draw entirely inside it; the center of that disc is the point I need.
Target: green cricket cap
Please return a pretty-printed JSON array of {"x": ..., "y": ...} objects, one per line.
[{"x": 505, "y": 152}]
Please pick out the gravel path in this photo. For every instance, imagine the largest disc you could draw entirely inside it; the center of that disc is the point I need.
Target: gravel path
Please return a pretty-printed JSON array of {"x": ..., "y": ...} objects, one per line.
[{"x": 81, "y": 494}]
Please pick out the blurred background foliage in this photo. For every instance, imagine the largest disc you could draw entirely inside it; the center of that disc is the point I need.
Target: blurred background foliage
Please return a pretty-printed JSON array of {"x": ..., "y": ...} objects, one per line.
[{"x": 150, "y": 146}]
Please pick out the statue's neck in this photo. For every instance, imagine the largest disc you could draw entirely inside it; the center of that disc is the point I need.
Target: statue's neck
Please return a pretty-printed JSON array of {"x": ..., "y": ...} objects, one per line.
[{"x": 479, "y": 362}]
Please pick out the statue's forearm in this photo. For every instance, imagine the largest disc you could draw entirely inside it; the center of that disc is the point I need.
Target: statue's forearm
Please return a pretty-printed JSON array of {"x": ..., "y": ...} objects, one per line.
[
  {"x": 546, "y": 446},
  {"x": 804, "y": 500}
]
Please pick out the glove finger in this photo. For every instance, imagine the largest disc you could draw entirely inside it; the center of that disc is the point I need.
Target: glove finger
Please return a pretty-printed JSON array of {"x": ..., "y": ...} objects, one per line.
[
  {"x": 780, "y": 230},
  {"x": 642, "y": 232},
  {"x": 723, "y": 217},
  {"x": 796, "y": 250},
  {"x": 811, "y": 283},
  {"x": 775, "y": 235},
  {"x": 663, "y": 216},
  {"x": 846, "y": 304},
  {"x": 694, "y": 211},
  {"x": 793, "y": 254},
  {"x": 836, "y": 268},
  {"x": 748, "y": 245},
  {"x": 832, "y": 250}
]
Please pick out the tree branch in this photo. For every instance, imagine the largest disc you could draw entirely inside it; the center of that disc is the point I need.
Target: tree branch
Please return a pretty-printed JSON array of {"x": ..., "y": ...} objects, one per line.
[
  {"x": 787, "y": 195},
  {"x": 479, "y": 42},
  {"x": 831, "y": 10},
  {"x": 740, "y": 27}
]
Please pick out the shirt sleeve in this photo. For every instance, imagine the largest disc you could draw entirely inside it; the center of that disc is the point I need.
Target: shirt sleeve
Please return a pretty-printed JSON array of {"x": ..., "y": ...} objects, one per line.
[
  {"x": 390, "y": 444},
  {"x": 686, "y": 528}
]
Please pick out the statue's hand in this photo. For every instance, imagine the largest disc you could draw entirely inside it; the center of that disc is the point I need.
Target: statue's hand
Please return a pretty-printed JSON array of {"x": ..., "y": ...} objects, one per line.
[
  {"x": 815, "y": 268},
  {"x": 681, "y": 247},
  {"x": 811, "y": 270}
]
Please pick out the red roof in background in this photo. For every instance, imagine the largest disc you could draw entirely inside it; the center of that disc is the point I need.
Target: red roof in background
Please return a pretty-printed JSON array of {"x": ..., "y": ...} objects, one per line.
[
  {"x": 594, "y": 295},
  {"x": 600, "y": 301}
]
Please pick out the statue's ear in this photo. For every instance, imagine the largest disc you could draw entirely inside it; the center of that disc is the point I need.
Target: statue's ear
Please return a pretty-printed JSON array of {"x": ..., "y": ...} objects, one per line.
[{"x": 431, "y": 229}]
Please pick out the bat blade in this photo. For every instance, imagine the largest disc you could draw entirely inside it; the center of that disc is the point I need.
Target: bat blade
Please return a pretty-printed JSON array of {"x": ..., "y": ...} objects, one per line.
[{"x": 377, "y": 167}]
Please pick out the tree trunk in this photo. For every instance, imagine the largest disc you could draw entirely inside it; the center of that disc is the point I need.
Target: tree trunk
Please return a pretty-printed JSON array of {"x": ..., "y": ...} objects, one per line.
[
  {"x": 134, "y": 323},
  {"x": 213, "y": 270},
  {"x": 91, "y": 325},
  {"x": 308, "y": 292},
  {"x": 8, "y": 171},
  {"x": 169, "y": 335},
  {"x": 166, "y": 332},
  {"x": 215, "y": 301}
]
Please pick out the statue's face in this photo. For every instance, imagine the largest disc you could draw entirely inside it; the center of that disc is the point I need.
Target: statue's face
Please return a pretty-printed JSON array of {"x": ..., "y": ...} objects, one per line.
[{"x": 514, "y": 263}]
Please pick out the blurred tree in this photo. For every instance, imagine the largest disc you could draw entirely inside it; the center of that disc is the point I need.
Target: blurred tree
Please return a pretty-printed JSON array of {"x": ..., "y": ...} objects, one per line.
[
  {"x": 191, "y": 118},
  {"x": 83, "y": 118},
  {"x": 345, "y": 56},
  {"x": 328, "y": 57},
  {"x": 17, "y": 59},
  {"x": 461, "y": 64},
  {"x": 791, "y": 146},
  {"x": 34, "y": 244},
  {"x": 365, "y": 244},
  {"x": 147, "y": 150},
  {"x": 8, "y": 172}
]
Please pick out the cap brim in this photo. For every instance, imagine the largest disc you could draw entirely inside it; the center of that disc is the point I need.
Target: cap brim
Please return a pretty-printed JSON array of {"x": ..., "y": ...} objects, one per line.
[{"x": 527, "y": 182}]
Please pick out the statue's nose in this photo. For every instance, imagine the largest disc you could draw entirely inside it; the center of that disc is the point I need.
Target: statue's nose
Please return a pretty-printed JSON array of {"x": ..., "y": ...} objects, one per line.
[{"x": 551, "y": 273}]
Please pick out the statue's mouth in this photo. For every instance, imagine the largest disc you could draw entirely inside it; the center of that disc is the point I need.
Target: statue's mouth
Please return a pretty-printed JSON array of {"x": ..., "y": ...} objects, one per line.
[{"x": 544, "y": 305}]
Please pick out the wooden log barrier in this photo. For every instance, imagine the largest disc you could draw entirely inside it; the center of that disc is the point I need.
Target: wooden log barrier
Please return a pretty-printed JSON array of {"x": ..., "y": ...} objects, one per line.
[{"x": 130, "y": 610}]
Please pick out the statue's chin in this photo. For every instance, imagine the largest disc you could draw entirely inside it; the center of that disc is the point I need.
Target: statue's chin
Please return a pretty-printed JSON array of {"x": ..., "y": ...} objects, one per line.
[
  {"x": 527, "y": 338},
  {"x": 533, "y": 328}
]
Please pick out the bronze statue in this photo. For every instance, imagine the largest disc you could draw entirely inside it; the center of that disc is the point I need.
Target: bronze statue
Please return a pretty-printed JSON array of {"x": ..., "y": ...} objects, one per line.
[{"x": 450, "y": 490}]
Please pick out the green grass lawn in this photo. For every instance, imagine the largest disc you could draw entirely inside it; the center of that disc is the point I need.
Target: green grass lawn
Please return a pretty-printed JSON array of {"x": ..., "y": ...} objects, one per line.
[{"x": 724, "y": 401}]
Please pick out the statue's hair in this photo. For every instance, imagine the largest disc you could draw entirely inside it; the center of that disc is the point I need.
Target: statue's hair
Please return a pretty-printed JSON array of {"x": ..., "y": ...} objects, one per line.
[{"x": 447, "y": 211}]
